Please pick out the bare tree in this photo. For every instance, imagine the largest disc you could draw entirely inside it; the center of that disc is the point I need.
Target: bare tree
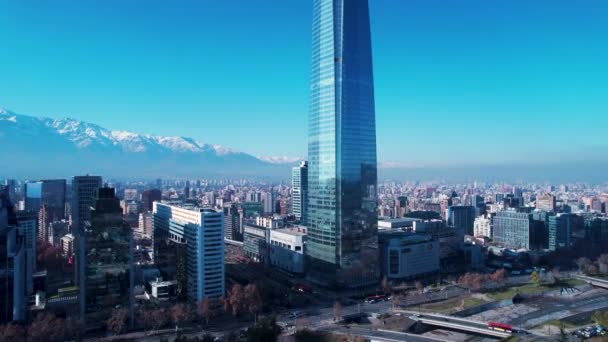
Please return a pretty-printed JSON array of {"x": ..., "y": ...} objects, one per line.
[
  {"x": 117, "y": 321},
  {"x": 159, "y": 319},
  {"x": 46, "y": 327},
  {"x": 582, "y": 263},
  {"x": 12, "y": 332},
  {"x": 591, "y": 269},
  {"x": 419, "y": 286},
  {"x": 204, "y": 309},
  {"x": 253, "y": 299},
  {"x": 147, "y": 319},
  {"x": 498, "y": 276},
  {"x": 179, "y": 313},
  {"x": 396, "y": 300},
  {"x": 302, "y": 323},
  {"x": 75, "y": 329},
  {"x": 337, "y": 311},
  {"x": 556, "y": 272},
  {"x": 385, "y": 285},
  {"x": 225, "y": 303},
  {"x": 236, "y": 299}
]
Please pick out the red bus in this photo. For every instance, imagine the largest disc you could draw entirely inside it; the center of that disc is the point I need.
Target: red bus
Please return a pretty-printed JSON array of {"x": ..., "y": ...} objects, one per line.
[{"x": 500, "y": 327}]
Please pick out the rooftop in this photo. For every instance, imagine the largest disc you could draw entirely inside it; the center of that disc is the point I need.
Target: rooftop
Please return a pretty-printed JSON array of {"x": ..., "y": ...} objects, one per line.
[{"x": 298, "y": 231}]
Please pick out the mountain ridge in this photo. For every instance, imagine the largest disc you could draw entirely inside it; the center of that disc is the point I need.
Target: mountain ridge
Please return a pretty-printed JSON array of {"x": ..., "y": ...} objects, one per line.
[{"x": 82, "y": 146}]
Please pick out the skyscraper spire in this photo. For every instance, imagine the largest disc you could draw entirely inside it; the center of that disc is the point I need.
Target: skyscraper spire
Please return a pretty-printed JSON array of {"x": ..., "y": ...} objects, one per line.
[{"x": 342, "y": 239}]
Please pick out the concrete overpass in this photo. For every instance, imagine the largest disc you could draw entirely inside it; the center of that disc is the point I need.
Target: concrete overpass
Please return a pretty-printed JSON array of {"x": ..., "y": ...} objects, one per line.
[
  {"x": 598, "y": 282},
  {"x": 455, "y": 323}
]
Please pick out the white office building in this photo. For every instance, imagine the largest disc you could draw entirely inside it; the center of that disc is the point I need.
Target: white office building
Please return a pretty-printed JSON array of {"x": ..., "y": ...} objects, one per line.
[
  {"x": 287, "y": 249},
  {"x": 482, "y": 227},
  {"x": 405, "y": 255},
  {"x": 202, "y": 231},
  {"x": 299, "y": 184}
]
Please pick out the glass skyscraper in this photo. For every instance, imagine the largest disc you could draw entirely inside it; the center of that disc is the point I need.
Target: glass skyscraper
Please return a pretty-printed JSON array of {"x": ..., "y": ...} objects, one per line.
[{"x": 342, "y": 176}]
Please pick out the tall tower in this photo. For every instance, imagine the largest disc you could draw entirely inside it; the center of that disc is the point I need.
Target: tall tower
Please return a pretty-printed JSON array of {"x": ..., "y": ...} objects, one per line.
[
  {"x": 299, "y": 184},
  {"x": 84, "y": 189},
  {"x": 342, "y": 175}
]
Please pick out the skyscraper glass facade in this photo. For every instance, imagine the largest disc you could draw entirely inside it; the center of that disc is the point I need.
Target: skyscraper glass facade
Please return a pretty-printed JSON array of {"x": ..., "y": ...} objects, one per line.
[{"x": 342, "y": 175}]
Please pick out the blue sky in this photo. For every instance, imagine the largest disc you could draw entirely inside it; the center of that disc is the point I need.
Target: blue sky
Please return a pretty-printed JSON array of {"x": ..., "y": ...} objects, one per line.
[{"x": 457, "y": 81}]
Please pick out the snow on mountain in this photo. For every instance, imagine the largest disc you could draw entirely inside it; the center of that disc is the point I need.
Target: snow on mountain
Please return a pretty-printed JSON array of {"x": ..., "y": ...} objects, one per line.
[
  {"x": 67, "y": 143},
  {"x": 84, "y": 134},
  {"x": 281, "y": 159}
]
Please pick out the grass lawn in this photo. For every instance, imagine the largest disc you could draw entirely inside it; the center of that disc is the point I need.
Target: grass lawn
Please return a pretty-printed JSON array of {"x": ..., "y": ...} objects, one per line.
[
  {"x": 451, "y": 305},
  {"x": 558, "y": 323},
  {"x": 472, "y": 301},
  {"x": 532, "y": 289}
]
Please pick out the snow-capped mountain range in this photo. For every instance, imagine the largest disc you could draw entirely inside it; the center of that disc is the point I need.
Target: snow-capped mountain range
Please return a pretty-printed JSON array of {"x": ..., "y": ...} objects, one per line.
[{"x": 43, "y": 147}]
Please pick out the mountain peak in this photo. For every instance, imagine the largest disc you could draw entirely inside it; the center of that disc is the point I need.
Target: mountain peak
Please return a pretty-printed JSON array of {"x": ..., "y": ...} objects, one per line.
[{"x": 70, "y": 146}]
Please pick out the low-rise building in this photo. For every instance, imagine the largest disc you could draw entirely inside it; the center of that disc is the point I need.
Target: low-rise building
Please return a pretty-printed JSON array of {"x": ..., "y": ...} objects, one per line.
[
  {"x": 287, "y": 249},
  {"x": 405, "y": 255},
  {"x": 397, "y": 223},
  {"x": 255, "y": 242}
]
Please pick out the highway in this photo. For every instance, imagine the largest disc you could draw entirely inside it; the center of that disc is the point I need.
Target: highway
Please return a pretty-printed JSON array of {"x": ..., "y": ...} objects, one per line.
[
  {"x": 603, "y": 283},
  {"x": 450, "y": 322},
  {"x": 380, "y": 335}
]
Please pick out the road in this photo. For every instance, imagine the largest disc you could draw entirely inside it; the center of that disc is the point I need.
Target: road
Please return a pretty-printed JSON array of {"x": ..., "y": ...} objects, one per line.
[
  {"x": 560, "y": 309},
  {"x": 380, "y": 335}
]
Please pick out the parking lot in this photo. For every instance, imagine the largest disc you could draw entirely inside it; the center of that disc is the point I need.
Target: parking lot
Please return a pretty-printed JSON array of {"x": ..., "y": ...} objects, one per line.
[{"x": 590, "y": 331}]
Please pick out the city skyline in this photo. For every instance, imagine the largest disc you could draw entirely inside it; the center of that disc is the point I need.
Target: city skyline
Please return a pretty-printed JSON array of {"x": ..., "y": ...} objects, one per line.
[{"x": 454, "y": 77}]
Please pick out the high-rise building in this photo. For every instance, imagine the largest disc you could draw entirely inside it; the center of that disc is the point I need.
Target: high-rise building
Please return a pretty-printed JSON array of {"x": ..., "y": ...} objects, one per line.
[
  {"x": 27, "y": 222},
  {"x": 482, "y": 227},
  {"x": 462, "y": 217},
  {"x": 342, "y": 245},
  {"x": 84, "y": 189},
  {"x": 561, "y": 229},
  {"x": 130, "y": 195},
  {"x": 545, "y": 202},
  {"x": 148, "y": 197},
  {"x": 49, "y": 192},
  {"x": 13, "y": 263},
  {"x": 596, "y": 229},
  {"x": 268, "y": 200},
  {"x": 33, "y": 196},
  {"x": 233, "y": 222},
  {"x": 299, "y": 184},
  {"x": 512, "y": 229},
  {"x": 193, "y": 239},
  {"x": 105, "y": 247},
  {"x": 54, "y": 196}
]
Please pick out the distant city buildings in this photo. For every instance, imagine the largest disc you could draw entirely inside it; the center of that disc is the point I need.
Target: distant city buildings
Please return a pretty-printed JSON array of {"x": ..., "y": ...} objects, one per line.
[{"x": 546, "y": 203}]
